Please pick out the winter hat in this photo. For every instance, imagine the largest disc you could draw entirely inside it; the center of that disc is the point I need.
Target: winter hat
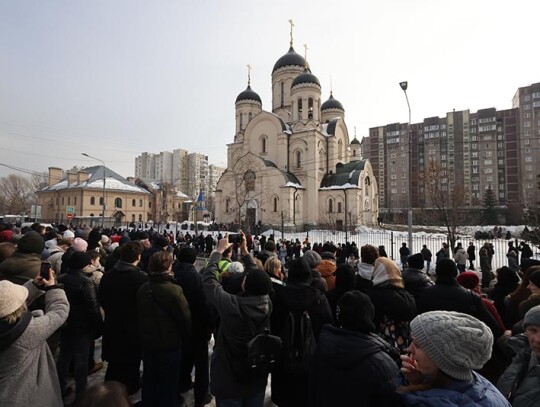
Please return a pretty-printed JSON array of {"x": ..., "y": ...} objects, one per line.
[
  {"x": 86, "y": 232},
  {"x": 78, "y": 232},
  {"x": 328, "y": 256},
  {"x": 79, "y": 260},
  {"x": 31, "y": 242},
  {"x": 506, "y": 276},
  {"x": 186, "y": 255},
  {"x": 416, "y": 261},
  {"x": 469, "y": 280},
  {"x": 123, "y": 240},
  {"x": 79, "y": 245},
  {"x": 535, "y": 278},
  {"x": 236, "y": 267},
  {"x": 386, "y": 271},
  {"x": 105, "y": 239},
  {"x": 528, "y": 263},
  {"x": 345, "y": 276},
  {"x": 355, "y": 312},
  {"x": 299, "y": 271},
  {"x": 162, "y": 241},
  {"x": 457, "y": 343},
  {"x": 144, "y": 236},
  {"x": 257, "y": 282},
  {"x": 313, "y": 258},
  {"x": 68, "y": 234},
  {"x": 270, "y": 246},
  {"x": 446, "y": 268},
  {"x": 532, "y": 317},
  {"x": 12, "y": 297}
]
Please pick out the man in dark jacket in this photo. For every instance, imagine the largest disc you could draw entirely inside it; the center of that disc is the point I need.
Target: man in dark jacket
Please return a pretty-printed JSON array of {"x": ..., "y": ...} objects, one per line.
[
  {"x": 24, "y": 264},
  {"x": 297, "y": 296},
  {"x": 471, "y": 252},
  {"x": 159, "y": 244},
  {"x": 404, "y": 253},
  {"x": 242, "y": 317},
  {"x": 352, "y": 366},
  {"x": 84, "y": 322},
  {"x": 448, "y": 295},
  {"x": 194, "y": 352},
  {"x": 414, "y": 278},
  {"x": 118, "y": 298}
]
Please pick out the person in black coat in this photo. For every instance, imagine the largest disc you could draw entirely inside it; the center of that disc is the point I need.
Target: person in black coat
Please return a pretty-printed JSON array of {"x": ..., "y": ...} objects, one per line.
[
  {"x": 414, "y": 278},
  {"x": 507, "y": 282},
  {"x": 84, "y": 322},
  {"x": 448, "y": 295},
  {"x": 118, "y": 298},
  {"x": 345, "y": 281},
  {"x": 194, "y": 352},
  {"x": 297, "y": 295},
  {"x": 471, "y": 252},
  {"x": 159, "y": 244},
  {"x": 352, "y": 366}
]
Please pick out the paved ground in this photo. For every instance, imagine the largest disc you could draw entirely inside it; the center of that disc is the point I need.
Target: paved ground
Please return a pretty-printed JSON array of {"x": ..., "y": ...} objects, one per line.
[{"x": 98, "y": 378}]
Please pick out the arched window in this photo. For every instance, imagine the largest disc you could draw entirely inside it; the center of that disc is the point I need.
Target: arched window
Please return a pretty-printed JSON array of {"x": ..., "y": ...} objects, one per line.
[
  {"x": 133, "y": 218},
  {"x": 354, "y": 153},
  {"x": 140, "y": 218},
  {"x": 101, "y": 201},
  {"x": 299, "y": 109},
  {"x": 150, "y": 205},
  {"x": 340, "y": 149},
  {"x": 282, "y": 94},
  {"x": 118, "y": 202},
  {"x": 227, "y": 202},
  {"x": 321, "y": 160},
  {"x": 310, "y": 108},
  {"x": 133, "y": 203},
  {"x": 263, "y": 144},
  {"x": 140, "y": 203},
  {"x": 298, "y": 158},
  {"x": 92, "y": 200},
  {"x": 249, "y": 116},
  {"x": 275, "y": 204},
  {"x": 330, "y": 205},
  {"x": 339, "y": 207},
  {"x": 368, "y": 184},
  {"x": 241, "y": 122}
]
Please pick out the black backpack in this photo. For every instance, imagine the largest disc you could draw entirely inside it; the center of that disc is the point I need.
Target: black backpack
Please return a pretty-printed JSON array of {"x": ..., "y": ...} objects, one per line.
[{"x": 298, "y": 343}]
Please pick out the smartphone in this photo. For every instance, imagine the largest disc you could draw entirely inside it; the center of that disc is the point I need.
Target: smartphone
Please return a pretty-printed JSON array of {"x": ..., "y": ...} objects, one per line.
[
  {"x": 45, "y": 271},
  {"x": 235, "y": 238}
]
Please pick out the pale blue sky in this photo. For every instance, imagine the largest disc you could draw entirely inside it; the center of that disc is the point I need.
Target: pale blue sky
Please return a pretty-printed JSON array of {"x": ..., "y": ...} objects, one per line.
[{"x": 114, "y": 78}]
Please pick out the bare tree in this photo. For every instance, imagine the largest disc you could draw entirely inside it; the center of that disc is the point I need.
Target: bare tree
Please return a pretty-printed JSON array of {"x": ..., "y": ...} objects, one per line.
[
  {"x": 445, "y": 201},
  {"x": 17, "y": 194}
]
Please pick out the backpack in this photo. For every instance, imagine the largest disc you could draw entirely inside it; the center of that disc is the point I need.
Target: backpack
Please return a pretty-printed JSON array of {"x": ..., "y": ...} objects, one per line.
[
  {"x": 298, "y": 343},
  {"x": 258, "y": 358}
]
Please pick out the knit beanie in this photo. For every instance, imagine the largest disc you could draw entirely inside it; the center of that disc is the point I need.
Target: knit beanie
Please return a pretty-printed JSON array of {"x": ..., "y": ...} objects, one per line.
[
  {"x": 386, "y": 271},
  {"x": 79, "y": 245},
  {"x": 12, "y": 297},
  {"x": 446, "y": 268},
  {"x": 457, "y": 343},
  {"x": 79, "y": 260},
  {"x": 313, "y": 258},
  {"x": 507, "y": 276},
  {"x": 535, "y": 278},
  {"x": 416, "y": 261},
  {"x": 31, "y": 242},
  {"x": 355, "y": 312},
  {"x": 468, "y": 279},
  {"x": 186, "y": 255},
  {"x": 328, "y": 256},
  {"x": 236, "y": 267},
  {"x": 345, "y": 277},
  {"x": 257, "y": 282},
  {"x": 68, "y": 234},
  {"x": 532, "y": 317},
  {"x": 299, "y": 271}
]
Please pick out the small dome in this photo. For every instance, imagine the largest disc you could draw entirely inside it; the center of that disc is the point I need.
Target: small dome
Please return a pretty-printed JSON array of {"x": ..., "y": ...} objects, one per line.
[
  {"x": 355, "y": 141},
  {"x": 291, "y": 58},
  {"x": 306, "y": 77},
  {"x": 332, "y": 103},
  {"x": 248, "y": 94}
]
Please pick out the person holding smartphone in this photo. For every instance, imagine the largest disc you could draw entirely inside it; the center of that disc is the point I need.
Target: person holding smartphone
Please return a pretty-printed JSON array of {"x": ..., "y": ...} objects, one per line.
[{"x": 27, "y": 369}]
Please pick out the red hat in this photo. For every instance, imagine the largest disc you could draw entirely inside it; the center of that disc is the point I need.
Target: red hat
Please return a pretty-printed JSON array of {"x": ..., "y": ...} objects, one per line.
[{"x": 468, "y": 279}]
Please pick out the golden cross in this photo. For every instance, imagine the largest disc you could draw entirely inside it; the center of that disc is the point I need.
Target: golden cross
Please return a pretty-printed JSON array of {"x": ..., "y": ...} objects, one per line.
[{"x": 292, "y": 25}]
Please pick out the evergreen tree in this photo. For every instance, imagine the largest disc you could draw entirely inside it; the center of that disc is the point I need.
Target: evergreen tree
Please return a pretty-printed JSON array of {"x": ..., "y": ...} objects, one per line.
[{"x": 489, "y": 214}]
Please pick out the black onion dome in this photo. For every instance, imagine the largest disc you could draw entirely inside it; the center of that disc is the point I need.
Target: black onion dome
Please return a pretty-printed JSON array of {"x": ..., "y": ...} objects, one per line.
[
  {"x": 291, "y": 58},
  {"x": 355, "y": 141},
  {"x": 306, "y": 77},
  {"x": 248, "y": 94},
  {"x": 332, "y": 103}
]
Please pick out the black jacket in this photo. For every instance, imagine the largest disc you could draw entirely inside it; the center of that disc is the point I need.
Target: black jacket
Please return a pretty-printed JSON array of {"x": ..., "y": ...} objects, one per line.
[
  {"x": 286, "y": 390},
  {"x": 448, "y": 295},
  {"x": 84, "y": 314},
  {"x": 393, "y": 303},
  {"x": 118, "y": 298},
  {"x": 415, "y": 281},
  {"x": 352, "y": 369}
]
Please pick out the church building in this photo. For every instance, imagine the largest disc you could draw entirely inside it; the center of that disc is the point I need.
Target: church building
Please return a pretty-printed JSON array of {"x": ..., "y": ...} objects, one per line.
[{"x": 294, "y": 165}]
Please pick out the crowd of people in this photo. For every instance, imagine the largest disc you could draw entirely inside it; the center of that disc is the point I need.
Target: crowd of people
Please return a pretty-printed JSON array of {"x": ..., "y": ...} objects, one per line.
[{"x": 330, "y": 325}]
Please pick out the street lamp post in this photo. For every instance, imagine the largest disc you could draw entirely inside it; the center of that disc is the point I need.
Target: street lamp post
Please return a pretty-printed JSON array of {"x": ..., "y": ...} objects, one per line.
[
  {"x": 409, "y": 186},
  {"x": 103, "y": 197}
]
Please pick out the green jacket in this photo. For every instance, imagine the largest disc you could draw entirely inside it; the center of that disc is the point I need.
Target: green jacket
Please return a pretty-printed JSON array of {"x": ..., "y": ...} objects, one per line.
[
  {"x": 521, "y": 380},
  {"x": 163, "y": 314}
]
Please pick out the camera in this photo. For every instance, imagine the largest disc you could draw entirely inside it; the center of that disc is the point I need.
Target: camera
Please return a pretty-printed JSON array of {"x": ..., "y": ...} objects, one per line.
[
  {"x": 45, "y": 270},
  {"x": 235, "y": 238}
]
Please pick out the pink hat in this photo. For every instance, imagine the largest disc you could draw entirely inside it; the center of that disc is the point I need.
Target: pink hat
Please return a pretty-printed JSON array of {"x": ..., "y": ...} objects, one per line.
[{"x": 79, "y": 245}]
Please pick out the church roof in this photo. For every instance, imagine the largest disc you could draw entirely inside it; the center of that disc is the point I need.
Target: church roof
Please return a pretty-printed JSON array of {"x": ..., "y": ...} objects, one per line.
[
  {"x": 248, "y": 94},
  {"x": 305, "y": 77},
  {"x": 332, "y": 103},
  {"x": 291, "y": 58},
  {"x": 290, "y": 177},
  {"x": 331, "y": 127},
  {"x": 346, "y": 175},
  {"x": 355, "y": 141}
]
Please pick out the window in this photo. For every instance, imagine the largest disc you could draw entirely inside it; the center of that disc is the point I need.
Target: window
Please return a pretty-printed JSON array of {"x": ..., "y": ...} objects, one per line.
[
  {"x": 140, "y": 203},
  {"x": 250, "y": 115},
  {"x": 282, "y": 93},
  {"x": 227, "y": 202},
  {"x": 118, "y": 203},
  {"x": 100, "y": 201},
  {"x": 92, "y": 200},
  {"x": 330, "y": 205},
  {"x": 140, "y": 218},
  {"x": 150, "y": 205},
  {"x": 241, "y": 122},
  {"x": 339, "y": 207},
  {"x": 69, "y": 200},
  {"x": 528, "y": 159},
  {"x": 298, "y": 159},
  {"x": 299, "y": 108},
  {"x": 133, "y": 203},
  {"x": 275, "y": 204},
  {"x": 133, "y": 218},
  {"x": 310, "y": 108},
  {"x": 263, "y": 144}
]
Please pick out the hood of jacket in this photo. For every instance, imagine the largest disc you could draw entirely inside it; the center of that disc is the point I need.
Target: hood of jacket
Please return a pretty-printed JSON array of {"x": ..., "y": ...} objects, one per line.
[
  {"x": 344, "y": 349},
  {"x": 10, "y": 333},
  {"x": 365, "y": 270},
  {"x": 326, "y": 268}
]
